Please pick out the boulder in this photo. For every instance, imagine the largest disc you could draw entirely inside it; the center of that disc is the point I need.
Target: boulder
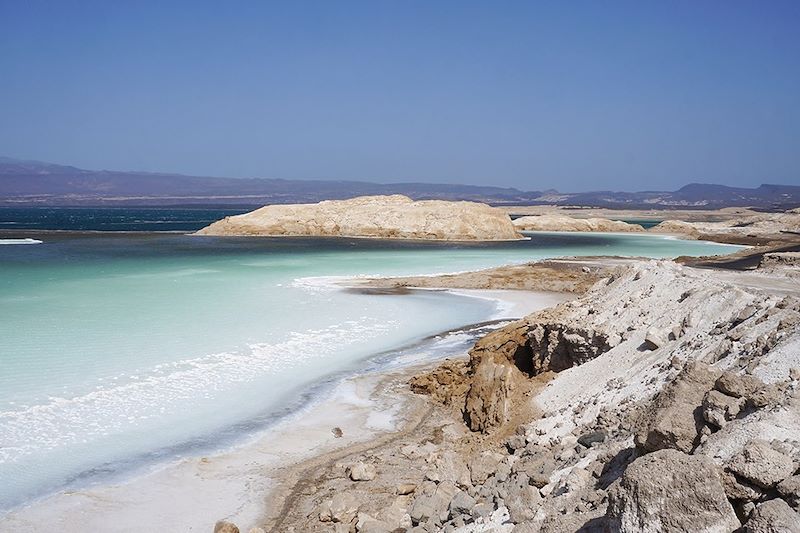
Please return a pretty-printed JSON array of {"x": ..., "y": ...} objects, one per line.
[
  {"x": 754, "y": 391},
  {"x": 538, "y": 468},
  {"x": 521, "y": 498},
  {"x": 789, "y": 489},
  {"x": 225, "y": 527},
  {"x": 449, "y": 466},
  {"x": 773, "y": 516},
  {"x": 342, "y": 508},
  {"x": 668, "y": 490},
  {"x": 361, "y": 472},
  {"x": 719, "y": 408},
  {"x": 740, "y": 489},
  {"x": 433, "y": 503},
  {"x": 674, "y": 418},
  {"x": 593, "y": 437},
  {"x": 484, "y": 465},
  {"x": 462, "y": 504},
  {"x": 761, "y": 464},
  {"x": 655, "y": 338}
]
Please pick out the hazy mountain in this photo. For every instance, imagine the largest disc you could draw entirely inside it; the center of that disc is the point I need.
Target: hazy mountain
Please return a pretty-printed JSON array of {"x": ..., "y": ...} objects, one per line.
[{"x": 37, "y": 183}]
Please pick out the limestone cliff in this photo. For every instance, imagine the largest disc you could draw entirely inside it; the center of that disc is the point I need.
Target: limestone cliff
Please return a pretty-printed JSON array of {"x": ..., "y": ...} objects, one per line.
[
  {"x": 386, "y": 217},
  {"x": 564, "y": 223}
]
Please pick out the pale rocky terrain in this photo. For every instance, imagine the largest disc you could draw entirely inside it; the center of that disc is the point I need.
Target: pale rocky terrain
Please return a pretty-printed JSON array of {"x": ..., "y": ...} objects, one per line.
[
  {"x": 666, "y": 398},
  {"x": 566, "y": 223},
  {"x": 758, "y": 227},
  {"x": 387, "y": 217}
]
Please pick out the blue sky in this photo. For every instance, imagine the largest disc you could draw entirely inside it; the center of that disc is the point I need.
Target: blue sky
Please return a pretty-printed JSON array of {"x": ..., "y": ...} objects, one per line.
[{"x": 567, "y": 95}]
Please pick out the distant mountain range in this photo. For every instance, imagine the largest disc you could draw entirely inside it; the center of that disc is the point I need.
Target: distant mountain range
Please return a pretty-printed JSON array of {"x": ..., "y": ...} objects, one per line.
[{"x": 36, "y": 183}]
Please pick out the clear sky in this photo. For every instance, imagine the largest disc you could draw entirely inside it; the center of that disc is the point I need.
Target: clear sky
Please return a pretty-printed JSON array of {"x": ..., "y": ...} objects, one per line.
[{"x": 568, "y": 95}]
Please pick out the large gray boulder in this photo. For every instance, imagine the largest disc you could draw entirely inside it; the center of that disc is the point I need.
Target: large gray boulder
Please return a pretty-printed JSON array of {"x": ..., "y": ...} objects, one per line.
[
  {"x": 669, "y": 490},
  {"x": 521, "y": 498},
  {"x": 789, "y": 489},
  {"x": 675, "y": 417},
  {"x": 433, "y": 502},
  {"x": 773, "y": 516},
  {"x": 761, "y": 464}
]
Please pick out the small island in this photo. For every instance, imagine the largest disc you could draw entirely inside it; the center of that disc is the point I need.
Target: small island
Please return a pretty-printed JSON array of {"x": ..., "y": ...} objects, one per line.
[{"x": 384, "y": 217}]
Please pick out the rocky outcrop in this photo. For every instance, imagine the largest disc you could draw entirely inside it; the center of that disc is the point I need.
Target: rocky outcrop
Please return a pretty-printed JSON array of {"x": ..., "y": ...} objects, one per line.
[
  {"x": 666, "y": 399},
  {"x": 761, "y": 227},
  {"x": 565, "y": 223},
  {"x": 386, "y": 217},
  {"x": 670, "y": 491}
]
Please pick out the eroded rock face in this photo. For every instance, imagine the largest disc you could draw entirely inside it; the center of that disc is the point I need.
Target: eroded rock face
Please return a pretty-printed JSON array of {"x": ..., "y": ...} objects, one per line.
[
  {"x": 388, "y": 217},
  {"x": 675, "y": 417},
  {"x": 489, "y": 396},
  {"x": 669, "y": 490},
  {"x": 524, "y": 348},
  {"x": 558, "y": 346}
]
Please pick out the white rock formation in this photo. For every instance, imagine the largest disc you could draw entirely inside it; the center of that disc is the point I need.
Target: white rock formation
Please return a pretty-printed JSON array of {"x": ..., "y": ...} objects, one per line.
[
  {"x": 565, "y": 223},
  {"x": 387, "y": 217},
  {"x": 762, "y": 226}
]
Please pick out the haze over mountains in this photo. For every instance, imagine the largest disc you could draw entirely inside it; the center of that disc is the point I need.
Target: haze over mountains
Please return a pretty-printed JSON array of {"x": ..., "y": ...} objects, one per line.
[{"x": 37, "y": 183}]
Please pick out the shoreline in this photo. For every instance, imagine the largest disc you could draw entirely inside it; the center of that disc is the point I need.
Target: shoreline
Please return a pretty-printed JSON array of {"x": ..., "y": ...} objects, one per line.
[{"x": 234, "y": 482}]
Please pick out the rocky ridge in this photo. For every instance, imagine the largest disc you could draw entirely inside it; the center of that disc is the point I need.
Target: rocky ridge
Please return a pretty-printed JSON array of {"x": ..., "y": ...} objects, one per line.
[
  {"x": 386, "y": 217},
  {"x": 756, "y": 228},
  {"x": 565, "y": 223}
]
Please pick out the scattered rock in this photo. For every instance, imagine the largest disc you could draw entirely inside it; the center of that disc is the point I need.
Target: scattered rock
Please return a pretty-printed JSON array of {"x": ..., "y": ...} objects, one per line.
[
  {"x": 761, "y": 464},
  {"x": 773, "y": 516},
  {"x": 668, "y": 490},
  {"x": 337, "y": 432}
]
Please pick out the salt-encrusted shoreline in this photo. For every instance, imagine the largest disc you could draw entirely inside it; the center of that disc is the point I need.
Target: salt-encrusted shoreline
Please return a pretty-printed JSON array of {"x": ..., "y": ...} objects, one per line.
[
  {"x": 192, "y": 494},
  {"x": 661, "y": 380}
]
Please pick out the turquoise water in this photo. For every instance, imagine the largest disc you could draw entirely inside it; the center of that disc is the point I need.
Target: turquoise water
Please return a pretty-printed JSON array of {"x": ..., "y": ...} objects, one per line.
[{"x": 123, "y": 351}]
